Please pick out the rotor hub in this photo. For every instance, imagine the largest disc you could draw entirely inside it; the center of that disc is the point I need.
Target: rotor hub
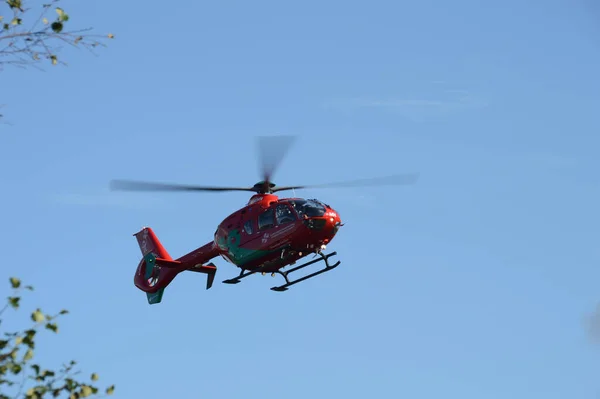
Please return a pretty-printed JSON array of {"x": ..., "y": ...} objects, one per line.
[{"x": 264, "y": 187}]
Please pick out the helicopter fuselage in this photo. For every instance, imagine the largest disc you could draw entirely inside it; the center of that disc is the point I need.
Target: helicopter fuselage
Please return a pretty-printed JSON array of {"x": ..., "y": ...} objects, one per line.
[{"x": 270, "y": 233}]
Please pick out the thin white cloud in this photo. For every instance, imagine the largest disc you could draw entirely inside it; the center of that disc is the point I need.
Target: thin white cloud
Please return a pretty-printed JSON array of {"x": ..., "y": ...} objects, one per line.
[{"x": 443, "y": 103}]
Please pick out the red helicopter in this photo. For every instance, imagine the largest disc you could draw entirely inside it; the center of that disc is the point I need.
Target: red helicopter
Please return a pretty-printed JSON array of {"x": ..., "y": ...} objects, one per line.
[{"x": 265, "y": 236}]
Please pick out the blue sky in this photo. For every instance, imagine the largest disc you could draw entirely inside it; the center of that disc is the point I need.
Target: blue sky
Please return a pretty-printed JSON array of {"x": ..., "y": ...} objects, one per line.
[{"x": 474, "y": 283}]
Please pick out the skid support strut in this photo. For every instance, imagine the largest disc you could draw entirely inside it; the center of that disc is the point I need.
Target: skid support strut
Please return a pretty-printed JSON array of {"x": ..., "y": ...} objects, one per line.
[
  {"x": 288, "y": 283},
  {"x": 322, "y": 257},
  {"x": 242, "y": 275}
]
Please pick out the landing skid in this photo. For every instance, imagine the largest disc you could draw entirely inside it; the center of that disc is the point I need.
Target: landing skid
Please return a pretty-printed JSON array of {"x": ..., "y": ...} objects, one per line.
[{"x": 288, "y": 283}]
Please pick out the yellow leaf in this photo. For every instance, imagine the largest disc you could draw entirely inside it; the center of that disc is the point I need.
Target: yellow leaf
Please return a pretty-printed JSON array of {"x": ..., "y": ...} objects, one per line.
[
  {"x": 54, "y": 60},
  {"x": 45, "y": 21},
  {"x": 111, "y": 36},
  {"x": 15, "y": 282},
  {"x": 94, "y": 377},
  {"x": 28, "y": 355},
  {"x": 86, "y": 391},
  {"x": 37, "y": 316}
]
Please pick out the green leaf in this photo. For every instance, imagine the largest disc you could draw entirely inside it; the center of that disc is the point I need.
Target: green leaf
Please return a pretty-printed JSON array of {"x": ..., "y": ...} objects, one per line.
[
  {"x": 29, "y": 287},
  {"x": 94, "y": 377},
  {"x": 36, "y": 368},
  {"x": 16, "y": 21},
  {"x": 14, "y": 4},
  {"x": 37, "y": 316},
  {"x": 70, "y": 384},
  {"x": 48, "y": 373},
  {"x": 28, "y": 338},
  {"x": 6, "y": 26},
  {"x": 52, "y": 327},
  {"x": 54, "y": 59},
  {"x": 3, "y": 344},
  {"x": 16, "y": 368},
  {"x": 64, "y": 311},
  {"x": 28, "y": 355},
  {"x": 62, "y": 16},
  {"x": 14, "y": 301},
  {"x": 57, "y": 26},
  {"x": 15, "y": 282},
  {"x": 110, "y": 390}
]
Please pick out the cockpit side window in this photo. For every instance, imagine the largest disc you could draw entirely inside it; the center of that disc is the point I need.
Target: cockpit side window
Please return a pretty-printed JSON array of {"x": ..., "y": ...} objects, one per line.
[
  {"x": 266, "y": 220},
  {"x": 284, "y": 214},
  {"x": 248, "y": 228}
]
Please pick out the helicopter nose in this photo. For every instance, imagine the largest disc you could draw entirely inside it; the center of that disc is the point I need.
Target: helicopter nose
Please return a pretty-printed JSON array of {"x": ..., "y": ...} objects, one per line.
[
  {"x": 334, "y": 217},
  {"x": 333, "y": 220},
  {"x": 327, "y": 225}
]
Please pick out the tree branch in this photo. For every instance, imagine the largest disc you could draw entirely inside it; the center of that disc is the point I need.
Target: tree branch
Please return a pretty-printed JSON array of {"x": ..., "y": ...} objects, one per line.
[{"x": 30, "y": 46}]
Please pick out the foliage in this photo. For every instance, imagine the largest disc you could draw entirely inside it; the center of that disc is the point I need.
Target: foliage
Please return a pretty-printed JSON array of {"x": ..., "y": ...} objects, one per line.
[
  {"x": 27, "y": 38},
  {"x": 26, "y": 379}
]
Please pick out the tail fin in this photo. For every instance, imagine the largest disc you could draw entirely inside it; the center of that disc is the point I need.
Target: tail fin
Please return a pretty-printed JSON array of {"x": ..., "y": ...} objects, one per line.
[{"x": 151, "y": 276}]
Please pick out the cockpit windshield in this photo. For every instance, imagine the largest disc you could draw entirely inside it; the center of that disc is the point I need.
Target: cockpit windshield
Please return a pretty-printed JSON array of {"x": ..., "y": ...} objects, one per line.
[{"x": 310, "y": 208}]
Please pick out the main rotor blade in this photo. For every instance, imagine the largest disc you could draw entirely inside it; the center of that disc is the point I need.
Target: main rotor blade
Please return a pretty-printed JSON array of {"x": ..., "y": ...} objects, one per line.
[
  {"x": 398, "y": 179},
  {"x": 131, "y": 185},
  {"x": 271, "y": 151}
]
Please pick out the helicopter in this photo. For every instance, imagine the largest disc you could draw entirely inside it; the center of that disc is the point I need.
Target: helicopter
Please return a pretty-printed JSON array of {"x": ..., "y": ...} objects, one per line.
[{"x": 267, "y": 235}]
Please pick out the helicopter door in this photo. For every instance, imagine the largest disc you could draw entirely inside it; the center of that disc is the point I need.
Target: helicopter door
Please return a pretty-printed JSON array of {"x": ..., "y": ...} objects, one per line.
[
  {"x": 286, "y": 225},
  {"x": 249, "y": 231},
  {"x": 256, "y": 227},
  {"x": 274, "y": 226},
  {"x": 266, "y": 227}
]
